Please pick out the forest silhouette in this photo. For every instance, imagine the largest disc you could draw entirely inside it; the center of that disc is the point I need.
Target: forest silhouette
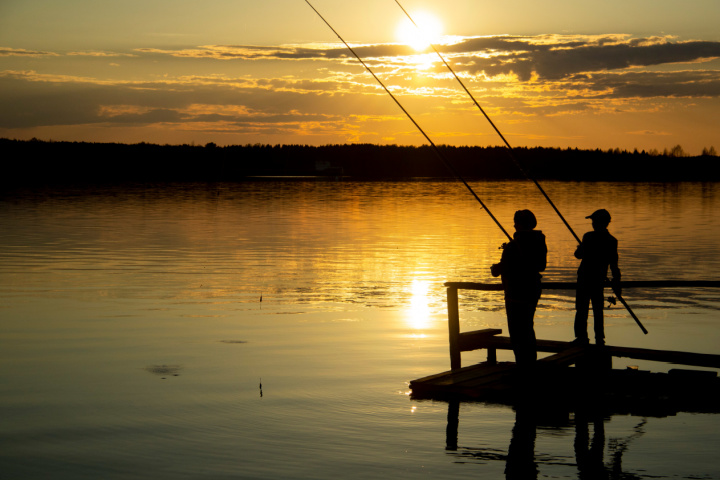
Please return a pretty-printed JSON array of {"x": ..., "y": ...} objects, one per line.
[{"x": 33, "y": 161}]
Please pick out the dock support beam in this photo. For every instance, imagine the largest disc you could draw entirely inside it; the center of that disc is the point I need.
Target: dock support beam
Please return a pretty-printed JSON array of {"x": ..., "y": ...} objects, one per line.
[
  {"x": 491, "y": 356},
  {"x": 453, "y": 327}
]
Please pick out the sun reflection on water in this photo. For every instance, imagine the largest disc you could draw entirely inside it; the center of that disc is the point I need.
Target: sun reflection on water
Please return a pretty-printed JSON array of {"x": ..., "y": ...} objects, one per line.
[{"x": 418, "y": 315}]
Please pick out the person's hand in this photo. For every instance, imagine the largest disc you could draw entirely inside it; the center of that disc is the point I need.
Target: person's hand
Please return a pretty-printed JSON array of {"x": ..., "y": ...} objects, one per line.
[
  {"x": 495, "y": 270},
  {"x": 616, "y": 286}
]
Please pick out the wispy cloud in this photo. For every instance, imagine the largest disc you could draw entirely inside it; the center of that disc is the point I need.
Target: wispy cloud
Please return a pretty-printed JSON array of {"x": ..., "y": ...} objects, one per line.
[
  {"x": 318, "y": 89},
  {"x": 100, "y": 54},
  {"x": 540, "y": 57},
  {"x": 285, "y": 52},
  {"x": 598, "y": 66},
  {"x": 78, "y": 100},
  {"x": 21, "y": 52}
]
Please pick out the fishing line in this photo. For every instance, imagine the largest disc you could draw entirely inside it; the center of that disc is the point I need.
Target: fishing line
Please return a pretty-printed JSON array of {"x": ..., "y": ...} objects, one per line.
[
  {"x": 446, "y": 162},
  {"x": 435, "y": 148},
  {"x": 517, "y": 163},
  {"x": 507, "y": 144}
]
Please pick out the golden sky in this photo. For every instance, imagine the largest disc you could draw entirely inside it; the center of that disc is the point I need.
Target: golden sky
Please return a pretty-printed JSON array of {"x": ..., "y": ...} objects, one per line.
[{"x": 630, "y": 74}]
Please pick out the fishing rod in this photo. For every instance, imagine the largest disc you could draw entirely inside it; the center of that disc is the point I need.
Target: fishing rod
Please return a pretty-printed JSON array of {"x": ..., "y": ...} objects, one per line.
[
  {"x": 437, "y": 151},
  {"x": 448, "y": 164},
  {"x": 497, "y": 130},
  {"x": 517, "y": 163}
]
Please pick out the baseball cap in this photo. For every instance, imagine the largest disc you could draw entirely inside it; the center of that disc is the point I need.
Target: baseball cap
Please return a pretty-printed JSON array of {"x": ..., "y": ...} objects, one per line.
[{"x": 601, "y": 215}]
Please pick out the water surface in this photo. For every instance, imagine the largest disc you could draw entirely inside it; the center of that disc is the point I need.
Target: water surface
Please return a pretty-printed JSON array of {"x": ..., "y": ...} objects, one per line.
[{"x": 269, "y": 329}]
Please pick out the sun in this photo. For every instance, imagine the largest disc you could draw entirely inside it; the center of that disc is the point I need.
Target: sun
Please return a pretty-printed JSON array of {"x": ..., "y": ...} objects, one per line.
[{"x": 428, "y": 31}]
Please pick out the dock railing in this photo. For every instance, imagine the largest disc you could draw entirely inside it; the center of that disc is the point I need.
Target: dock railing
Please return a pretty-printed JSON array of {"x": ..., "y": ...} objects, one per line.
[{"x": 489, "y": 339}]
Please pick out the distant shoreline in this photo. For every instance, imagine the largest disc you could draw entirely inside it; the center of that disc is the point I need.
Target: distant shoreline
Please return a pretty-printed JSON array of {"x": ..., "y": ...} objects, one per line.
[{"x": 33, "y": 161}]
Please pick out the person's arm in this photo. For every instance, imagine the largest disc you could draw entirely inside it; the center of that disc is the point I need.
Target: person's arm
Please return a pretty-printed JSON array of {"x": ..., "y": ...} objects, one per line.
[
  {"x": 615, "y": 269},
  {"x": 497, "y": 268},
  {"x": 614, "y": 259},
  {"x": 580, "y": 250},
  {"x": 542, "y": 260}
]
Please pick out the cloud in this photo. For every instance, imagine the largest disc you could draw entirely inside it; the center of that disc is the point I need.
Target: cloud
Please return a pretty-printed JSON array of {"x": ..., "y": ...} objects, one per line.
[
  {"x": 320, "y": 88},
  {"x": 686, "y": 83},
  {"x": 154, "y": 115},
  {"x": 559, "y": 57},
  {"x": 544, "y": 58},
  {"x": 100, "y": 54},
  {"x": 285, "y": 52},
  {"x": 41, "y": 100},
  {"x": 649, "y": 133},
  {"x": 21, "y": 52}
]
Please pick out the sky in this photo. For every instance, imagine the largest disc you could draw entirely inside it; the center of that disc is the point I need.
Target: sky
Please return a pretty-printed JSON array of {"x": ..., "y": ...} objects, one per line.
[{"x": 628, "y": 74}]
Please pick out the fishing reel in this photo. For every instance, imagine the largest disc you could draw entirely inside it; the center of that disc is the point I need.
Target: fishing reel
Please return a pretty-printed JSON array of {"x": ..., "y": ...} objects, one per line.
[{"x": 612, "y": 301}]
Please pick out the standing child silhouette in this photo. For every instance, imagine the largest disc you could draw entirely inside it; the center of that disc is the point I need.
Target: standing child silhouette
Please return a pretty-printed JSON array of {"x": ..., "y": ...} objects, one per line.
[{"x": 597, "y": 251}]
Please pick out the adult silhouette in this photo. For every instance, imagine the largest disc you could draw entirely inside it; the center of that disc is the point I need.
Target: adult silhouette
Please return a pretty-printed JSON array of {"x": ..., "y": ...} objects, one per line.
[{"x": 523, "y": 258}]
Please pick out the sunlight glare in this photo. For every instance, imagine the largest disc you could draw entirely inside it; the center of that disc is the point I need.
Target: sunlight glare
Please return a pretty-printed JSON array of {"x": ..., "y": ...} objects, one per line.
[
  {"x": 428, "y": 31},
  {"x": 419, "y": 313}
]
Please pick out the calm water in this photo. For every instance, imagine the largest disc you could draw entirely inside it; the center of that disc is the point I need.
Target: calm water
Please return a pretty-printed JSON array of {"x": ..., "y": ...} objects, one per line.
[{"x": 268, "y": 329}]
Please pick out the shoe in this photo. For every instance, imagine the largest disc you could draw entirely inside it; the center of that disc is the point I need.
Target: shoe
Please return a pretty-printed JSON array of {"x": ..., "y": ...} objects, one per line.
[{"x": 580, "y": 342}]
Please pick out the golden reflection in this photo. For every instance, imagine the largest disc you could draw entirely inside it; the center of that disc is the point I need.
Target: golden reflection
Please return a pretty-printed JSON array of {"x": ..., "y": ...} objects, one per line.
[{"x": 419, "y": 312}]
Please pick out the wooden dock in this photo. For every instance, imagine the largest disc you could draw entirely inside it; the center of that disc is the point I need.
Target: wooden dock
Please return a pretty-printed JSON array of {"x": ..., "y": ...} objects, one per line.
[{"x": 569, "y": 370}]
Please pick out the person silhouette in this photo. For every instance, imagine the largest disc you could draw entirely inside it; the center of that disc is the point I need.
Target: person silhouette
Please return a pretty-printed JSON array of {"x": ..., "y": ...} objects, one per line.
[
  {"x": 522, "y": 260},
  {"x": 597, "y": 251}
]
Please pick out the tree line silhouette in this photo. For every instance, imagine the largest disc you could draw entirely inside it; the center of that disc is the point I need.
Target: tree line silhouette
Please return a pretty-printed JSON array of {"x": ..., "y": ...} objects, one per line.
[{"x": 35, "y": 161}]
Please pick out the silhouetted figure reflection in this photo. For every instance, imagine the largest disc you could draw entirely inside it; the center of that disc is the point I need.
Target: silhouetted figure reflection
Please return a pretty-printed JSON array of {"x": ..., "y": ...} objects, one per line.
[
  {"x": 589, "y": 453},
  {"x": 523, "y": 258},
  {"x": 597, "y": 251},
  {"x": 521, "y": 464},
  {"x": 521, "y": 461}
]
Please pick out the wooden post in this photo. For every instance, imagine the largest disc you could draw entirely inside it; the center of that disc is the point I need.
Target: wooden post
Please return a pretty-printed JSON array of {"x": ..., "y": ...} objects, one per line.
[
  {"x": 492, "y": 356},
  {"x": 453, "y": 327}
]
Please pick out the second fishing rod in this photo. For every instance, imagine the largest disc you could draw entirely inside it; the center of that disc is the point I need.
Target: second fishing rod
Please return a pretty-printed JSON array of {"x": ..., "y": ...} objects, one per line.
[
  {"x": 517, "y": 163},
  {"x": 448, "y": 164}
]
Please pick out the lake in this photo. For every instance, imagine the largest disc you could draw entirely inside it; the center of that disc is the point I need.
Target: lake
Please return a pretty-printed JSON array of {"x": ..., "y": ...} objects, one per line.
[{"x": 269, "y": 329}]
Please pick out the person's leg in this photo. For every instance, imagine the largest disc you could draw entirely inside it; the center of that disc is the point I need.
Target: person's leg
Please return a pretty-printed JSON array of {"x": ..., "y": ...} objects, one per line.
[
  {"x": 514, "y": 327},
  {"x": 598, "y": 303},
  {"x": 522, "y": 332},
  {"x": 582, "y": 303},
  {"x": 531, "y": 340}
]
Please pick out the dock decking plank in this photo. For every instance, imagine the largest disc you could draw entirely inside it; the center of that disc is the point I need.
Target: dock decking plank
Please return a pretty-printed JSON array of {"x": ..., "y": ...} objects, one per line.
[{"x": 454, "y": 377}]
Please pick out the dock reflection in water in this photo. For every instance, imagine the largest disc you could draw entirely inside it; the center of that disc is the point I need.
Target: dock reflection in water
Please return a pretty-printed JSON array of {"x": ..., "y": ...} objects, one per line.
[
  {"x": 593, "y": 456},
  {"x": 104, "y": 291}
]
